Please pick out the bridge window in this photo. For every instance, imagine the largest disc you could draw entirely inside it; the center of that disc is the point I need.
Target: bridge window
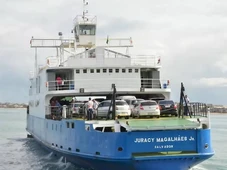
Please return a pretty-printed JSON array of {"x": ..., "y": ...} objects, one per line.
[
  {"x": 98, "y": 71},
  {"x": 130, "y": 70},
  {"x": 92, "y": 70},
  {"x": 84, "y": 70},
  {"x": 104, "y": 70},
  {"x": 117, "y": 70},
  {"x": 123, "y": 70},
  {"x": 136, "y": 70},
  {"x": 87, "y": 29},
  {"x": 110, "y": 70},
  {"x": 77, "y": 71}
]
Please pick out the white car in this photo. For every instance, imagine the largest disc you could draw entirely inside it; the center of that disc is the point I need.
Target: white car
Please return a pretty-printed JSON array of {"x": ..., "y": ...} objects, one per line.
[
  {"x": 146, "y": 108},
  {"x": 132, "y": 102},
  {"x": 75, "y": 107},
  {"x": 122, "y": 109}
]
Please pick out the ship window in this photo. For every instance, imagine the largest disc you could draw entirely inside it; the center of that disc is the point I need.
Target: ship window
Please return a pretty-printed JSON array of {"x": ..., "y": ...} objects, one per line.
[
  {"x": 104, "y": 70},
  {"x": 77, "y": 71},
  {"x": 87, "y": 29},
  {"x": 67, "y": 124},
  {"x": 84, "y": 70},
  {"x": 123, "y": 70},
  {"x": 92, "y": 70},
  {"x": 117, "y": 70},
  {"x": 72, "y": 125},
  {"x": 136, "y": 70},
  {"x": 130, "y": 70},
  {"x": 98, "y": 71},
  {"x": 110, "y": 70}
]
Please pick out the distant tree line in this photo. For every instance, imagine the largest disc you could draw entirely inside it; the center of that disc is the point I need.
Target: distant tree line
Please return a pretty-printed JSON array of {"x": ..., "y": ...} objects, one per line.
[{"x": 12, "y": 105}]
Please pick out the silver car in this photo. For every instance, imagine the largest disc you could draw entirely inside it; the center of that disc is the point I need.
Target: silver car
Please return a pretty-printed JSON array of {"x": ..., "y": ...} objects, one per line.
[
  {"x": 122, "y": 109},
  {"x": 146, "y": 108}
]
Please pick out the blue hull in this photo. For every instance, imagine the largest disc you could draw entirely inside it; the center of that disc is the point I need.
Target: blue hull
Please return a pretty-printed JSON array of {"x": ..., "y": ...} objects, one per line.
[
  {"x": 144, "y": 150},
  {"x": 154, "y": 163}
]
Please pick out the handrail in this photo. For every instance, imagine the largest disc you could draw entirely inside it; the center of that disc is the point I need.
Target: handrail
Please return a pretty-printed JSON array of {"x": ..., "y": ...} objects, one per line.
[
  {"x": 195, "y": 109},
  {"x": 64, "y": 85},
  {"x": 56, "y": 112},
  {"x": 51, "y": 43},
  {"x": 97, "y": 83}
]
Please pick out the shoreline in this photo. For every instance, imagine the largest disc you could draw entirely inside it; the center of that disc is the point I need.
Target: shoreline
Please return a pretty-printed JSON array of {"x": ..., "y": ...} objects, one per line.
[{"x": 217, "y": 113}]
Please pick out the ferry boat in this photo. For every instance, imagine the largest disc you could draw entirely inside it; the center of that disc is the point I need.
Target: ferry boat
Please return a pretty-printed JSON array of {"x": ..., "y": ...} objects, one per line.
[{"x": 88, "y": 67}]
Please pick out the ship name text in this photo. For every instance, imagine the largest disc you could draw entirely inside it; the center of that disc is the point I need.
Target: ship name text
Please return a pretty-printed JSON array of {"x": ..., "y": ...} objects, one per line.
[{"x": 164, "y": 139}]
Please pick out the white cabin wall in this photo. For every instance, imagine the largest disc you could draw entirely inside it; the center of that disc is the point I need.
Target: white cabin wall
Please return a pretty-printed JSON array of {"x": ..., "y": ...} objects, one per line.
[
  {"x": 123, "y": 81},
  {"x": 51, "y": 77},
  {"x": 36, "y": 100}
]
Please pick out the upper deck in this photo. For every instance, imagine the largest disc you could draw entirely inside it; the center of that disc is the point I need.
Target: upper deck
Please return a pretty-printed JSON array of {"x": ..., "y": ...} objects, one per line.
[{"x": 102, "y": 57}]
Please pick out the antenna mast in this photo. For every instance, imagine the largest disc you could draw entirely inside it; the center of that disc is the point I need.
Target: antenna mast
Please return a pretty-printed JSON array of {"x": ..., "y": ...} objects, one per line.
[{"x": 85, "y": 3}]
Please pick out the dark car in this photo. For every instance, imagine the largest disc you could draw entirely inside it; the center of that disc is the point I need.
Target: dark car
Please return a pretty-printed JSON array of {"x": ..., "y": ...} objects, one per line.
[{"x": 167, "y": 107}]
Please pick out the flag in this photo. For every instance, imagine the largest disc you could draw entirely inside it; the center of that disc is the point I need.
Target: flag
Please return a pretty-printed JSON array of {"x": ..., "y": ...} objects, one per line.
[{"x": 107, "y": 40}]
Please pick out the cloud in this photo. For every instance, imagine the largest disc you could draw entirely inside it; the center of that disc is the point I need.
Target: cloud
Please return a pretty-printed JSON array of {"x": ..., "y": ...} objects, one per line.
[
  {"x": 211, "y": 82},
  {"x": 190, "y": 37},
  {"x": 221, "y": 64}
]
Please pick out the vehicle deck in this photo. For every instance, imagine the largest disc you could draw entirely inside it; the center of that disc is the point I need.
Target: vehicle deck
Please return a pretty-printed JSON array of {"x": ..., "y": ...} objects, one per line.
[
  {"x": 152, "y": 124},
  {"x": 162, "y": 123}
]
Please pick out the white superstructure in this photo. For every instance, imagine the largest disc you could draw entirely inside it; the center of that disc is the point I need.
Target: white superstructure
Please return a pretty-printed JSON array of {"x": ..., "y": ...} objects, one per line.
[{"x": 92, "y": 71}]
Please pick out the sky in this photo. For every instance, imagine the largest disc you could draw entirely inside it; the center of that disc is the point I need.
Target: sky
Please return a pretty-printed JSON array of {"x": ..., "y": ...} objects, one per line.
[{"x": 189, "y": 35}]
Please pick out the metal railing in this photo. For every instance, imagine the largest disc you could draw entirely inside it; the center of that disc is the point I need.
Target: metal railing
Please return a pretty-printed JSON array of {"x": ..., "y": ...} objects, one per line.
[
  {"x": 89, "y": 19},
  {"x": 65, "y": 111},
  {"x": 104, "y": 84},
  {"x": 146, "y": 60},
  {"x": 64, "y": 85},
  {"x": 52, "y": 43},
  {"x": 194, "y": 109}
]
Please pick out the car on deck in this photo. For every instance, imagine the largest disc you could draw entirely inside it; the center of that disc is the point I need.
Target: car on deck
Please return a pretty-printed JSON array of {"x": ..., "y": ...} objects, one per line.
[
  {"x": 167, "y": 107},
  {"x": 122, "y": 109},
  {"x": 132, "y": 102},
  {"x": 75, "y": 108},
  {"x": 146, "y": 108}
]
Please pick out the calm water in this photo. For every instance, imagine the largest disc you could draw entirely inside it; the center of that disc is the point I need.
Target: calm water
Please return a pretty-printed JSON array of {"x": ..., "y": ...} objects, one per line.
[{"x": 20, "y": 153}]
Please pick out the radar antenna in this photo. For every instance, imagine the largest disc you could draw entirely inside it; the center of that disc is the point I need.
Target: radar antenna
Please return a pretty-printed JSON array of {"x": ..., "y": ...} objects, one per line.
[{"x": 85, "y": 11}]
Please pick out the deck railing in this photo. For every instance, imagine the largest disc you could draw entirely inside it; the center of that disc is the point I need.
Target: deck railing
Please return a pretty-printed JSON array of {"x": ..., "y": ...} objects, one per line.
[
  {"x": 146, "y": 60},
  {"x": 65, "y": 85},
  {"x": 65, "y": 111},
  {"x": 105, "y": 84},
  {"x": 195, "y": 109}
]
